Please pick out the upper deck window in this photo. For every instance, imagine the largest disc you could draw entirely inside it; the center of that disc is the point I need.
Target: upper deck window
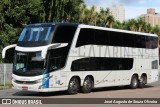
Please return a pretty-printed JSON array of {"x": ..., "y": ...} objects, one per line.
[
  {"x": 36, "y": 34},
  {"x": 114, "y": 38},
  {"x": 44, "y": 34}
]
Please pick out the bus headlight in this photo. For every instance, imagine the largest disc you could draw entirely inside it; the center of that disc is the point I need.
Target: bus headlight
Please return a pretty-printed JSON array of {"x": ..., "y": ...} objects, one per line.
[
  {"x": 13, "y": 79},
  {"x": 39, "y": 80},
  {"x": 43, "y": 79}
]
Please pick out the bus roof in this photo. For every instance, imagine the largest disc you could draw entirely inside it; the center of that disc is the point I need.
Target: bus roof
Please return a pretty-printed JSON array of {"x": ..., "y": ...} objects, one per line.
[{"x": 54, "y": 23}]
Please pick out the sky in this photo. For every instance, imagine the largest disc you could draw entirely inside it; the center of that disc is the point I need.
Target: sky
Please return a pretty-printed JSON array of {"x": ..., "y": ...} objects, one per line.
[{"x": 133, "y": 8}]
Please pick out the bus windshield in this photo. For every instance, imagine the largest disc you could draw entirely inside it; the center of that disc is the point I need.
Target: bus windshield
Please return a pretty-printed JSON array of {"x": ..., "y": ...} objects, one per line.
[{"x": 29, "y": 64}]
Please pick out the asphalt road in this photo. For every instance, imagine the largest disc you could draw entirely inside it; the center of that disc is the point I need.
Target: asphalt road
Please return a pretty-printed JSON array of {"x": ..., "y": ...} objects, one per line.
[{"x": 150, "y": 91}]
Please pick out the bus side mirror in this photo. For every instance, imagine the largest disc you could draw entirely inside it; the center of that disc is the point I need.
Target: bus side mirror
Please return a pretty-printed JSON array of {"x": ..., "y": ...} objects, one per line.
[
  {"x": 7, "y": 51},
  {"x": 52, "y": 46}
]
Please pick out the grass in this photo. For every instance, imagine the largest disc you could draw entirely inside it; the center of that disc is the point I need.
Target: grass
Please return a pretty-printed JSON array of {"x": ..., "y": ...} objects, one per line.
[{"x": 7, "y": 86}]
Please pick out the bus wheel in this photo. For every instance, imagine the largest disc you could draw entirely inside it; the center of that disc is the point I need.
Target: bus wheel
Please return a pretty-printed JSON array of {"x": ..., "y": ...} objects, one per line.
[
  {"x": 134, "y": 82},
  {"x": 142, "y": 81},
  {"x": 73, "y": 86},
  {"x": 87, "y": 85}
]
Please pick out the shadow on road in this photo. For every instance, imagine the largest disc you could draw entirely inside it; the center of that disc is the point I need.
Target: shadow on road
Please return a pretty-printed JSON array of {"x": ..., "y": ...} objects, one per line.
[
  {"x": 116, "y": 88},
  {"x": 39, "y": 94},
  {"x": 63, "y": 93}
]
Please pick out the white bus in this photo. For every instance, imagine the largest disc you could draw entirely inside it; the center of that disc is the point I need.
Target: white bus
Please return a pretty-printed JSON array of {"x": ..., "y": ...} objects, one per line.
[{"x": 52, "y": 57}]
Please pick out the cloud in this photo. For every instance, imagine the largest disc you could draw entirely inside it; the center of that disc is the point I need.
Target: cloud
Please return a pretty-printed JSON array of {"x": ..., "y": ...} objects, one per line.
[
  {"x": 109, "y": 3},
  {"x": 130, "y": 2},
  {"x": 132, "y": 12},
  {"x": 100, "y": 3},
  {"x": 92, "y": 2}
]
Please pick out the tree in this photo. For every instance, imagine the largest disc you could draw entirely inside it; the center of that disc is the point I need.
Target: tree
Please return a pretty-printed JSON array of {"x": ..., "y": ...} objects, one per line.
[
  {"x": 131, "y": 25},
  {"x": 59, "y": 10},
  {"x": 14, "y": 15},
  {"x": 82, "y": 14},
  {"x": 110, "y": 21},
  {"x": 140, "y": 25},
  {"x": 119, "y": 25},
  {"x": 147, "y": 28},
  {"x": 156, "y": 30}
]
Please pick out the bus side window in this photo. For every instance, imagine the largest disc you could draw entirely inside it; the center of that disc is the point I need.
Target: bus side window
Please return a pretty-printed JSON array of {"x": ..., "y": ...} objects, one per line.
[
  {"x": 155, "y": 64},
  {"x": 86, "y": 37},
  {"x": 151, "y": 42},
  {"x": 140, "y": 41},
  {"x": 64, "y": 34}
]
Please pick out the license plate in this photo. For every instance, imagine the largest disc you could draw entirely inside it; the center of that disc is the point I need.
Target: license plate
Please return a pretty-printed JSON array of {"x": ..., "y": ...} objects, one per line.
[{"x": 24, "y": 88}]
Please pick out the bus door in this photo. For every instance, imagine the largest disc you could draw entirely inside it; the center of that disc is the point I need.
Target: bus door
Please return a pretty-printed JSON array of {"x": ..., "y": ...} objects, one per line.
[{"x": 54, "y": 66}]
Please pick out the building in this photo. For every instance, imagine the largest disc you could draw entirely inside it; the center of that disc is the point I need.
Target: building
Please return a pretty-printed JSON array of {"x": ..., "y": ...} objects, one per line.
[
  {"x": 151, "y": 17},
  {"x": 118, "y": 12}
]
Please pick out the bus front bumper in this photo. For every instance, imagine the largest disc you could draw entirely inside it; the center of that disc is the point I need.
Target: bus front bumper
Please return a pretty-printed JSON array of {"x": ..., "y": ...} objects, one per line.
[{"x": 34, "y": 87}]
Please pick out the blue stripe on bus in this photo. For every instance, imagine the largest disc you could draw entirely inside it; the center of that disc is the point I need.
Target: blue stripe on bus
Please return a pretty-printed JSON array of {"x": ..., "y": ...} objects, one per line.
[
  {"x": 22, "y": 35},
  {"x": 48, "y": 33},
  {"x": 31, "y": 34},
  {"x": 45, "y": 83},
  {"x": 38, "y": 34}
]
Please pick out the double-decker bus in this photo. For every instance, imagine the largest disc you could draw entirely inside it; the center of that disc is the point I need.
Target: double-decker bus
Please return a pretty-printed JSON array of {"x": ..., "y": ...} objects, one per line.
[{"x": 52, "y": 57}]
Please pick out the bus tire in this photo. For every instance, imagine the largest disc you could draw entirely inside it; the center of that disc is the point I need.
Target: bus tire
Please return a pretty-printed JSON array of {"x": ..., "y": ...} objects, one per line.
[
  {"x": 73, "y": 86},
  {"x": 87, "y": 85},
  {"x": 142, "y": 81},
  {"x": 134, "y": 82}
]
